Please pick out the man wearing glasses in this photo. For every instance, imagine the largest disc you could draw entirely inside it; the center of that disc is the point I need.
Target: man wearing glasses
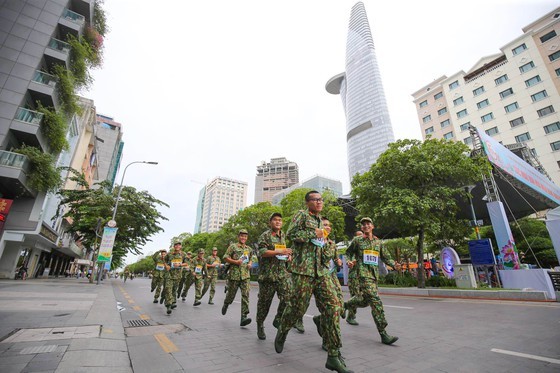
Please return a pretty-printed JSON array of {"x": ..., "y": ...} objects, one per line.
[{"x": 310, "y": 276}]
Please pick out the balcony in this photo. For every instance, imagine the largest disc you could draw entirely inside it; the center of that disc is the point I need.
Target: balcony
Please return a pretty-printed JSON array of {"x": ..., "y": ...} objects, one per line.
[
  {"x": 58, "y": 50},
  {"x": 73, "y": 17},
  {"x": 26, "y": 127},
  {"x": 13, "y": 175},
  {"x": 67, "y": 245},
  {"x": 71, "y": 22},
  {"x": 43, "y": 88}
]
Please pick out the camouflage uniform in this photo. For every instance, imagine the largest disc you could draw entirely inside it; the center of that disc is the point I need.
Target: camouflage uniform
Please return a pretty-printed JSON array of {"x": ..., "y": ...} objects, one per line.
[
  {"x": 211, "y": 277},
  {"x": 366, "y": 272},
  {"x": 273, "y": 276},
  {"x": 238, "y": 276},
  {"x": 310, "y": 276},
  {"x": 354, "y": 289},
  {"x": 158, "y": 274},
  {"x": 186, "y": 281},
  {"x": 175, "y": 261},
  {"x": 199, "y": 271}
]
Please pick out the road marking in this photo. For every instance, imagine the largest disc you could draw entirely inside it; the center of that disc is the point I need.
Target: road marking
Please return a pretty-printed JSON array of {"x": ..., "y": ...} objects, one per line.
[
  {"x": 528, "y": 356},
  {"x": 306, "y": 315},
  {"x": 235, "y": 301},
  {"x": 402, "y": 307},
  {"x": 136, "y": 308},
  {"x": 144, "y": 317},
  {"x": 127, "y": 296},
  {"x": 165, "y": 343},
  {"x": 130, "y": 301}
]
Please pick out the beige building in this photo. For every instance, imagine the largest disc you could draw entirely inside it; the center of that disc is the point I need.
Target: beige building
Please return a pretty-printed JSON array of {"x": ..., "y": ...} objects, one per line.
[
  {"x": 273, "y": 177},
  {"x": 513, "y": 95},
  {"x": 220, "y": 199}
]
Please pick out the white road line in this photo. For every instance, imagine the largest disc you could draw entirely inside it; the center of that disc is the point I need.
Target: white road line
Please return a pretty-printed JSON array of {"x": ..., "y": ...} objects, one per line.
[
  {"x": 404, "y": 308},
  {"x": 520, "y": 354},
  {"x": 306, "y": 315},
  {"x": 236, "y": 301}
]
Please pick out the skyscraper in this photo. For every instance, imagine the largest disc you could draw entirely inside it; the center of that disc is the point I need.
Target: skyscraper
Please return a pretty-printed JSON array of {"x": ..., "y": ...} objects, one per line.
[
  {"x": 368, "y": 126},
  {"x": 274, "y": 177},
  {"x": 221, "y": 199}
]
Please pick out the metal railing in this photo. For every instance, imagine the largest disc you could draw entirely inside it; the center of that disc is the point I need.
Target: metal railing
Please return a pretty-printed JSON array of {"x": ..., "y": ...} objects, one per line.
[
  {"x": 44, "y": 78},
  {"x": 73, "y": 16},
  {"x": 15, "y": 160},
  {"x": 59, "y": 45},
  {"x": 28, "y": 116}
]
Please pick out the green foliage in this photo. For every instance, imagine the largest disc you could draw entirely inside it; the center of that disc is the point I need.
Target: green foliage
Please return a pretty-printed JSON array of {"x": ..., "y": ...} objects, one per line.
[
  {"x": 441, "y": 281},
  {"x": 202, "y": 241},
  {"x": 43, "y": 175},
  {"x": 137, "y": 216},
  {"x": 398, "y": 279},
  {"x": 100, "y": 18},
  {"x": 81, "y": 55},
  {"x": 402, "y": 250},
  {"x": 65, "y": 88},
  {"x": 183, "y": 237},
  {"x": 142, "y": 265},
  {"x": 53, "y": 127},
  {"x": 414, "y": 186}
]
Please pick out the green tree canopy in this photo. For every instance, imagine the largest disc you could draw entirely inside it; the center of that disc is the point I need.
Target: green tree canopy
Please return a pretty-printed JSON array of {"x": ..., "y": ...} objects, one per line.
[
  {"x": 414, "y": 186},
  {"x": 143, "y": 265},
  {"x": 137, "y": 216}
]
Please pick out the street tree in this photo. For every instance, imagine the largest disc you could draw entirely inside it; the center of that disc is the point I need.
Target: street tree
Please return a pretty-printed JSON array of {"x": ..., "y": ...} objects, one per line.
[
  {"x": 414, "y": 186},
  {"x": 183, "y": 237},
  {"x": 87, "y": 208},
  {"x": 143, "y": 265}
]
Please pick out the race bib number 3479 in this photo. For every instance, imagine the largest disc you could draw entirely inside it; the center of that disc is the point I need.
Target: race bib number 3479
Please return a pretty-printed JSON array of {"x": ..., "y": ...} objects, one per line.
[{"x": 371, "y": 257}]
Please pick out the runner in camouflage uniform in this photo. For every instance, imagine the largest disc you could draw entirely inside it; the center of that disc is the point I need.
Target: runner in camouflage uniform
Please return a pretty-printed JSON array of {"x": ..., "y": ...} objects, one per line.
[
  {"x": 175, "y": 261},
  {"x": 159, "y": 271},
  {"x": 309, "y": 276},
  {"x": 354, "y": 289},
  {"x": 273, "y": 274},
  {"x": 199, "y": 272},
  {"x": 363, "y": 255},
  {"x": 187, "y": 279},
  {"x": 238, "y": 255},
  {"x": 213, "y": 262}
]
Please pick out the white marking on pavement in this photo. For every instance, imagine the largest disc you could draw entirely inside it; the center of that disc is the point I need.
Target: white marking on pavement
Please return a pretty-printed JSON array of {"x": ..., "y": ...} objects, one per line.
[
  {"x": 402, "y": 307},
  {"x": 306, "y": 315},
  {"x": 528, "y": 356},
  {"x": 238, "y": 302}
]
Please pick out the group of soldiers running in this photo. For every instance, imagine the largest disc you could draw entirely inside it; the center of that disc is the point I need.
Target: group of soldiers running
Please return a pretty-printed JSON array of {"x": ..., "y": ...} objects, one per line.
[{"x": 294, "y": 274}]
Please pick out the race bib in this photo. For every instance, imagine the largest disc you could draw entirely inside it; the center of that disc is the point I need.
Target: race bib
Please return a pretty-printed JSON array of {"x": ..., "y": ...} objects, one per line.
[
  {"x": 278, "y": 247},
  {"x": 160, "y": 267},
  {"x": 216, "y": 263},
  {"x": 176, "y": 263},
  {"x": 332, "y": 266},
  {"x": 371, "y": 257},
  {"x": 245, "y": 257},
  {"x": 198, "y": 270}
]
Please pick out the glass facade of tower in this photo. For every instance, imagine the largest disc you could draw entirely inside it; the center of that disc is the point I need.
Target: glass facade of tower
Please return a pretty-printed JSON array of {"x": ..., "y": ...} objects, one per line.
[{"x": 368, "y": 126}]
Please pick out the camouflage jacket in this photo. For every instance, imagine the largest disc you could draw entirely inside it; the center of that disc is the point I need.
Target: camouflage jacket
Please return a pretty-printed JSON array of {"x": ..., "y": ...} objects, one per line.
[
  {"x": 175, "y": 260},
  {"x": 159, "y": 262},
  {"x": 306, "y": 256},
  {"x": 199, "y": 268},
  {"x": 236, "y": 251},
  {"x": 212, "y": 271},
  {"x": 271, "y": 268},
  {"x": 329, "y": 253},
  {"x": 367, "y": 253}
]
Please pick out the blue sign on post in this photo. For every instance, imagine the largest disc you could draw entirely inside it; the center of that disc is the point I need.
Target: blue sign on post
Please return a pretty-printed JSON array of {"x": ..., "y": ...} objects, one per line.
[{"x": 481, "y": 252}]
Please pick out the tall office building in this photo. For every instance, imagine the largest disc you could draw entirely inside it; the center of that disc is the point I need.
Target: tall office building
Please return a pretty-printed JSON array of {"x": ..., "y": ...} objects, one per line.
[
  {"x": 274, "y": 177},
  {"x": 318, "y": 183},
  {"x": 513, "y": 95},
  {"x": 221, "y": 199},
  {"x": 109, "y": 135},
  {"x": 368, "y": 126}
]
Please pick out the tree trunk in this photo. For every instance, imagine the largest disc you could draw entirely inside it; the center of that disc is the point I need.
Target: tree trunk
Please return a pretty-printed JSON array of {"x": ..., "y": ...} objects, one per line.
[{"x": 420, "y": 252}]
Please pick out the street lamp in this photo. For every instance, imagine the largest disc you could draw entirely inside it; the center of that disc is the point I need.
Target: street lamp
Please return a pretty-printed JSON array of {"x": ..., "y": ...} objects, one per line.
[{"x": 121, "y": 186}]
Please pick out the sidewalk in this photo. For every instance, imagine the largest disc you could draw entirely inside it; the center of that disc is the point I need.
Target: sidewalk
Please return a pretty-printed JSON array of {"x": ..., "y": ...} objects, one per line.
[{"x": 74, "y": 326}]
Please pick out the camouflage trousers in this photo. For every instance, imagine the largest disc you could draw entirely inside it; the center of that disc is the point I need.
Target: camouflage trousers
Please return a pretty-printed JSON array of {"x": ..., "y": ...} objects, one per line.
[
  {"x": 368, "y": 297},
  {"x": 338, "y": 288},
  {"x": 327, "y": 302},
  {"x": 210, "y": 282},
  {"x": 354, "y": 289},
  {"x": 233, "y": 285},
  {"x": 267, "y": 289},
  {"x": 171, "y": 283},
  {"x": 184, "y": 284},
  {"x": 157, "y": 283},
  {"x": 198, "y": 283}
]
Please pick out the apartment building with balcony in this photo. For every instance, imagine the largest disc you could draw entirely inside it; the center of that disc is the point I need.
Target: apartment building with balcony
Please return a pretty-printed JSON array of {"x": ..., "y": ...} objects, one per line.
[
  {"x": 33, "y": 41},
  {"x": 273, "y": 177},
  {"x": 513, "y": 95}
]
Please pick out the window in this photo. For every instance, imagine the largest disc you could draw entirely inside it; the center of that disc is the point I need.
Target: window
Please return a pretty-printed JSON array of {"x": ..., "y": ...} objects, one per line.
[
  {"x": 557, "y": 71},
  {"x": 482, "y": 104},
  {"x": 458, "y": 101},
  {"x": 448, "y": 135},
  {"x": 506, "y": 93},
  {"x": 492, "y": 131},
  {"x": 553, "y": 127},
  {"x": 487, "y": 117},
  {"x": 478, "y": 91},
  {"x": 539, "y": 96},
  {"x": 555, "y": 145},
  {"x": 528, "y": 66},
  {"x": 437, "y": 96},
  {"x": 424, "y": 103},
  {"x": 523, "y": 137},
  {"x": 534, "y": 80},
  {"x": 462, "y": 113},
  {"x": 511, "y": 107},
  {"x": 427, "y": 118},
  {"x": 445, "y": 123},
  {"x": 554, "y": 56},
  {"x": 454, "y": 85},
  {"x": 501, "y": 79},
  {"x": 468, "y": 140},
  {"x": 546, "y": 37},
  {"x": 516, "y": 122},
  {"x": 545, "y": 111},
  {"x": 519, "y": 49},
  {"x": 429, "y": 130},
  {"x": 442, "y": 111},
  {"x": 465, "y": 126}
]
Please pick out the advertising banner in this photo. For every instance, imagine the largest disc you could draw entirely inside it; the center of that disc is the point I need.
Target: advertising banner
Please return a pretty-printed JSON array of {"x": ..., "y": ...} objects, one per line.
[
  {"x": 106, "y": 246},
  {"x": 506, "y": 245},
  {"x": 481, "y": 252}
]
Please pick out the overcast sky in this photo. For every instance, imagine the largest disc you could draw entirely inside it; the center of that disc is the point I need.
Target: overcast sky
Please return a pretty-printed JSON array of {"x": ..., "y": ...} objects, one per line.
[{"x": 212, "y": 88}]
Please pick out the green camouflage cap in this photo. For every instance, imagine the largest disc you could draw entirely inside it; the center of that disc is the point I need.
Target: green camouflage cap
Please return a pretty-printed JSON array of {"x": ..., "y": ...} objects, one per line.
[
  {"x": 189, "y": 252},
  {"x": 242, "y": 231},
  {"x": 274, "y": 214},
  {"x": 362, "y": 220},
  {"x": 201, "y": 251}
]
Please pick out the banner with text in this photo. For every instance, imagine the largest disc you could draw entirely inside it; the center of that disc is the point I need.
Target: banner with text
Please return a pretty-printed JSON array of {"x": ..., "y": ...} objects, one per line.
[{"x": 106, "y": 246}]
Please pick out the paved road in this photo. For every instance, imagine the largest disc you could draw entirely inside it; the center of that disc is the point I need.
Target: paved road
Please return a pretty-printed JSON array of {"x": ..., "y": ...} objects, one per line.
[
  {"x": 446, "y": 335},
  {"x": 86, "y": 333}
]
